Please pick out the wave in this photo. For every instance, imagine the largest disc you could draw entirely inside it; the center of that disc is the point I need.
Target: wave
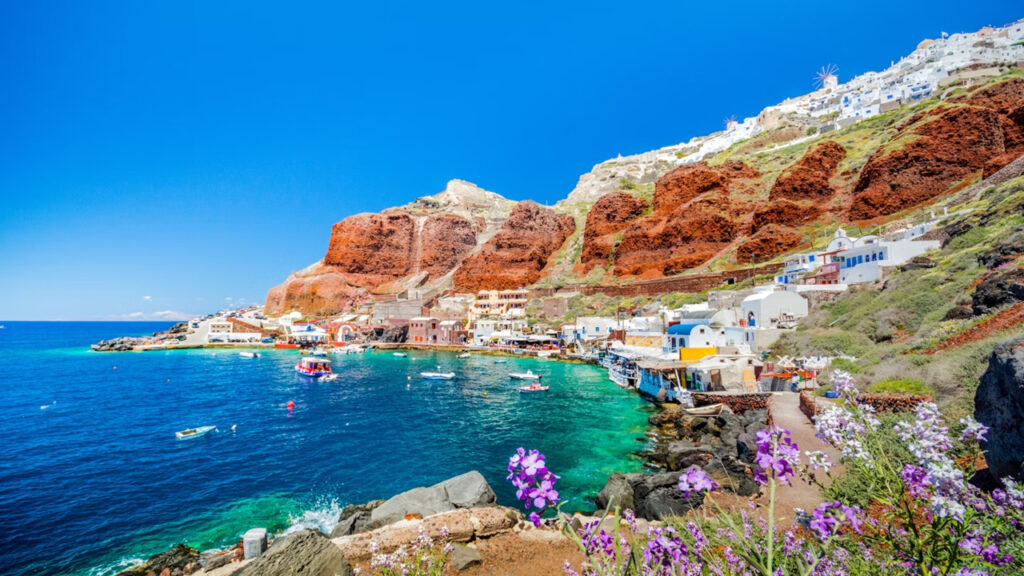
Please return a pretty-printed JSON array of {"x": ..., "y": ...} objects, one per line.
[{"x": 323, "y": 516}]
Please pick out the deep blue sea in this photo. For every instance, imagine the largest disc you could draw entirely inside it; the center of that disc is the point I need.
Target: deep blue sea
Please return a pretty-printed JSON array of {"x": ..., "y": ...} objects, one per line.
[{"x": 97, "y": 481}]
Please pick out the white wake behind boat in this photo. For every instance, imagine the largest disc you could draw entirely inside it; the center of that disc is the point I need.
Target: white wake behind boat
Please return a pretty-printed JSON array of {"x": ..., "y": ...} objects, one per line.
[
  {"x": 190, "y": 433},
  {"x": 528, "y": 375},
  {"x": 437, "y": 375}
]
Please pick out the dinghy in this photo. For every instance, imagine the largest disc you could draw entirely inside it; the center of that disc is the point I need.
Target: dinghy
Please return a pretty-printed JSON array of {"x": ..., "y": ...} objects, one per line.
[
  {"x": 400, "y": 354},
  {"x": 328, "y": 377},
  {"x": 194, "y": 432},
  {"x": 535, "y": 387},
  {"x": 528, "y": 375},
  {"x": 709, "y": 410},
  {"x": 249, "y": 354},
  {"x": 463, "y": 355}
]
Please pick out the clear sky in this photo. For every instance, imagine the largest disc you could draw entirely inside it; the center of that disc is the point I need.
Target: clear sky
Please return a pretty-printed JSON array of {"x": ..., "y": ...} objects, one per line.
[{"x": 167, "y": 157}]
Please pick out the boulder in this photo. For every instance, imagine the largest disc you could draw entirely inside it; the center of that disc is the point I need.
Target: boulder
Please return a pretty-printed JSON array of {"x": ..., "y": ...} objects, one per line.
[
  {"x": 463, "y": 557},
  {"x": 304, "y": 553},
  {"x": 682, "y": 454},
  {"x": 999, "y": 404},
  {"x": 354, "y": 518},
  {"x": 618, "y": 491},
  {"x": 657, "y": 496},
  {"x": 181, "y": 559},
  {"x": 466, "y": 491}
]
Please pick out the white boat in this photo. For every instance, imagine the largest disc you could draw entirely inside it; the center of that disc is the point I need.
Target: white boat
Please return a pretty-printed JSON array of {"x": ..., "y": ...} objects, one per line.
[
  {"x": 400, "y": 354},
  {"x": 249, "y": 354},
  {"x": 437, "y": 375},
  {"x": 528, "y": 375},
  {"x": 194, "y": 432},
  {"x": 319, "y": 351},
  {"x": 349, "y": 349},
  {"x": 535, "y": 387},
  {"x": 313, "y": 366},
  {"x": 709, "y": 410},
  {"x": 501, "y": 361},
  {"x": 328, "y": 377},
  {"x": 463, "y": 355}
]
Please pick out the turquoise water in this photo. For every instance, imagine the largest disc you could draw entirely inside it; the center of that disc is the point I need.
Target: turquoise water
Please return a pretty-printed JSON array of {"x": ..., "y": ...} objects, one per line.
[{"x": 97, "y": 480}]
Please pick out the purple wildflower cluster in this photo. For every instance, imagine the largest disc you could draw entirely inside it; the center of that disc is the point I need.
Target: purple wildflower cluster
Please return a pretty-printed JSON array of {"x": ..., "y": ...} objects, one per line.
[
  {"x": 829, "y": 516},
  {"x": 422, "y": 558},
  {"x": 696, "y": 480},
  {"x": 845, "y": 425},
  {"x": 535, "y": 484},
  {"x": 777, "y": 456}
]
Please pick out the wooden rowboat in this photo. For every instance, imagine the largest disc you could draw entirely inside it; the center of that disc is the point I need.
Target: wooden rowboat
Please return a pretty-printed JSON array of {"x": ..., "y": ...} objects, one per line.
[{"x": 709, "y": 410}]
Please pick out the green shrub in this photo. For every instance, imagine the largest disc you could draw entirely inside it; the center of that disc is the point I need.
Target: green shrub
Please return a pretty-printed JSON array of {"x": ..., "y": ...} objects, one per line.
[
  {"x": 900, "y": 386},
  {"x": 844, "y": 364}
]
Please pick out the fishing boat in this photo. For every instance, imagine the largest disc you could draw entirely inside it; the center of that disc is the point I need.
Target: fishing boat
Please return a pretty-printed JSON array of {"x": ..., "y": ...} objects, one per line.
[
  {"x": 528, "y": 375},
  {"x": 709, "y": 410},
  {"x": 535, "y": 387},
  {"x": 194, "y": 432},
  {"x": 249, "y": 354},
  {"x": 463, "y": 355},
  {"x": 400, "y": 354},
  {"x": 437, "y": 375},
  {"x": 313, "y": 366}
]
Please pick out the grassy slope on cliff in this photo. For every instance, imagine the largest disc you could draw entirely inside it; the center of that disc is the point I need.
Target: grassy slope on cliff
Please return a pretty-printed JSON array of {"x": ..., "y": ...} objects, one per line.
[{"x": 890, "y": 328}]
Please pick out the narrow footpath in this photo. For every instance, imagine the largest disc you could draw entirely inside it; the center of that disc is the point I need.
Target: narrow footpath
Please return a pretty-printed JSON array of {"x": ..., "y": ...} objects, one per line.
[{"x": 785, "y": 409}]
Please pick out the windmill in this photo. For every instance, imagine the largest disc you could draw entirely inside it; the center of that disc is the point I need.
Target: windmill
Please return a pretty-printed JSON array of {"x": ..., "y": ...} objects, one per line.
[
  {"x": 826, "y": 77},
  {"x": 730, "y": 122}
]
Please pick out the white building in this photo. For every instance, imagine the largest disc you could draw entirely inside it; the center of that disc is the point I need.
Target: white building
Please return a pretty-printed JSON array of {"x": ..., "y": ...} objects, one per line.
[
  {"x": 768, "y": 308},
  {"x": 864, "y": 263},
  {"x": 593, "y": 327},
  {"x": 488, "y": 330}
]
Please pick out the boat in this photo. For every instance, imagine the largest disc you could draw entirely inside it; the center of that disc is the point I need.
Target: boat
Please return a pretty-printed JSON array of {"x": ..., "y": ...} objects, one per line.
[
  {"x": 313, "y": 366},
  {"x": 501, "y": 361},
  {"x": 328, "y": 377},
  {"x": 400, "y": 354},
  {"x": 349, "y": 349},
  {"x": 535, "y": 387},
  {"x": 528, "y": 375},
  {"x": 190, "y": 433},
  {"x": 437, "y": 375},
  {"x": 463, "y": 355},
  {"x": 249, "y": 354},
  {"x": 286, "y": 346},
  {"x": 319, "y": 351},
  {"x": 709, "y": 410}
]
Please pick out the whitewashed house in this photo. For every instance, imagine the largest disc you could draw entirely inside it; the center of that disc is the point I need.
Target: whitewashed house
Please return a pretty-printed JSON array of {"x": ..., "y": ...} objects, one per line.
[{"x": 768, "y": 308}]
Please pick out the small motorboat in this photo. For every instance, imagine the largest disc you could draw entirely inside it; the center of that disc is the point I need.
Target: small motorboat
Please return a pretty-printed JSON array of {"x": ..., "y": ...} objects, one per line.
[
  {"x": 194, "y": 432},
  {"x": 328, "y": 377},
  {"x": 463, "y": 355},
  {"x": 313, "y": 366},
  {"x": 319, "y": 351},
  {"x": 437, "y": 375},
  {"x": 528, "y": 375},
  {"x": 249, "y": 354},
  {"x": 501, "y": 361},
  {"x": 400, "y": 355},
  {"x": 349, "y": 349},
  {"x": 709, "y": 410},
  {"x": 534, "y": 387}
]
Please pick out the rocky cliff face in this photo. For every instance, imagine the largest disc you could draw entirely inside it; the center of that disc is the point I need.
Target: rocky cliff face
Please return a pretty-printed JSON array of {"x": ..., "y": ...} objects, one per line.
[
  {"x": 978, "y": 133},
  {"x": 808, "y": 178},
  {"x": 999, "y": 404},
  {"x": 516, "y": 256},
  {"x": 606, "y": 220}
]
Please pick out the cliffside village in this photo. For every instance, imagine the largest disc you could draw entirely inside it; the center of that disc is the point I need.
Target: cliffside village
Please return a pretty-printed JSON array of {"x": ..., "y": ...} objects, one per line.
[{"x": 721, "y": 344}]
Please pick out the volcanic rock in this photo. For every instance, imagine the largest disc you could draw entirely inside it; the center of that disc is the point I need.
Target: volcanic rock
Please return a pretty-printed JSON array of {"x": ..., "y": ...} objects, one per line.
[
  {"x": 464, "y": 557},
  {"x": 1000, "y": 289},
  {"x": 319, "y": 289},
  {"x": 768, "y": 243},
  {"x": 785, "y": 213},
  {"x": 999, "y": 404},
  {"x": 932, "y": 151},
  {"x": 650, "y": 496},
  {"x": 607, "y": 218},
  {"x": 304, "y": 553},
  {"x": 354, "y": 518},
  {"x": 445, "y": 240},
  {"x": 515, "y": 256},
  {"x": 181, "y": 559},
  {"x": 808, "y": 178},
  {"x": 468, "y": 490}
]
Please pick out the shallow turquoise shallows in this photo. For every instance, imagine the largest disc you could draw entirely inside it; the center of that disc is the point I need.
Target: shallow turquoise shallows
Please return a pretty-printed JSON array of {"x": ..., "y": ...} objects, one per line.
[{"x": 97, "y": 480}]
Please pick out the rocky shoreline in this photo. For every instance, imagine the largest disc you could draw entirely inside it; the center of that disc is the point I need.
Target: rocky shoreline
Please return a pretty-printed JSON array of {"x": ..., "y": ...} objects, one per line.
[{"x": 172, "y": 335}]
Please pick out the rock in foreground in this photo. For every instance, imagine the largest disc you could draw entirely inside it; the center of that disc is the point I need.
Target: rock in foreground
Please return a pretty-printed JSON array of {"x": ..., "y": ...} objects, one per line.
[
  {"x": 305, "y": 553},
  {"x": 999, "y": 404},
  {"x": 466, "y": 491}
]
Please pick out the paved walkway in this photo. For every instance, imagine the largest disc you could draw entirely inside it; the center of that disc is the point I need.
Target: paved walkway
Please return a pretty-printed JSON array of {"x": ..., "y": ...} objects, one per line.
[{"x": 785, "y": 407}]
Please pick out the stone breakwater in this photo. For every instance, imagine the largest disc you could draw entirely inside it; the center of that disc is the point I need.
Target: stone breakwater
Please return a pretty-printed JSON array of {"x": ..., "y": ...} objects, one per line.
[{"x": 172, "y": 335}]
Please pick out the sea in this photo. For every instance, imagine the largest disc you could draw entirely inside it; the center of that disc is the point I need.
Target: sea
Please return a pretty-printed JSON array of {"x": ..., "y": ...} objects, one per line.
[{"x": 93, "y": 480}]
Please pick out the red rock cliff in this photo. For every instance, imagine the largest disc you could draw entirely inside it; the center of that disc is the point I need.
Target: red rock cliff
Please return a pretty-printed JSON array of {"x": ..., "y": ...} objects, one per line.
[
  {"x": 515, "y": 256},
  {"x": 981, "y": 132},
  {"x": 607, "y": 218},
  {"x": 808, "y": 178}
]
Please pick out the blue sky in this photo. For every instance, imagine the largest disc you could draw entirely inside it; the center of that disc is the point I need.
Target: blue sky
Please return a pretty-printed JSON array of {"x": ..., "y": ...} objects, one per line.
[{"x": 169, "y": 157}]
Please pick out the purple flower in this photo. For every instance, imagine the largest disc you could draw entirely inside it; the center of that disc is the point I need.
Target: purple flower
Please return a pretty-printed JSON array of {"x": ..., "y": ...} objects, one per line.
[
  {"x": 974, "y": 431},
  {"x": 777, "y": 454},
  {"x": 916, "y": 480},
  {"x": 534, "y": 483},
  {"x": 664, "y": 548},
  {"x": 535, "y": 518},
  {"x": 696, "y": 480},
  {"x": 827, "y": 517},
  {"x": 544, "y": 493}
]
